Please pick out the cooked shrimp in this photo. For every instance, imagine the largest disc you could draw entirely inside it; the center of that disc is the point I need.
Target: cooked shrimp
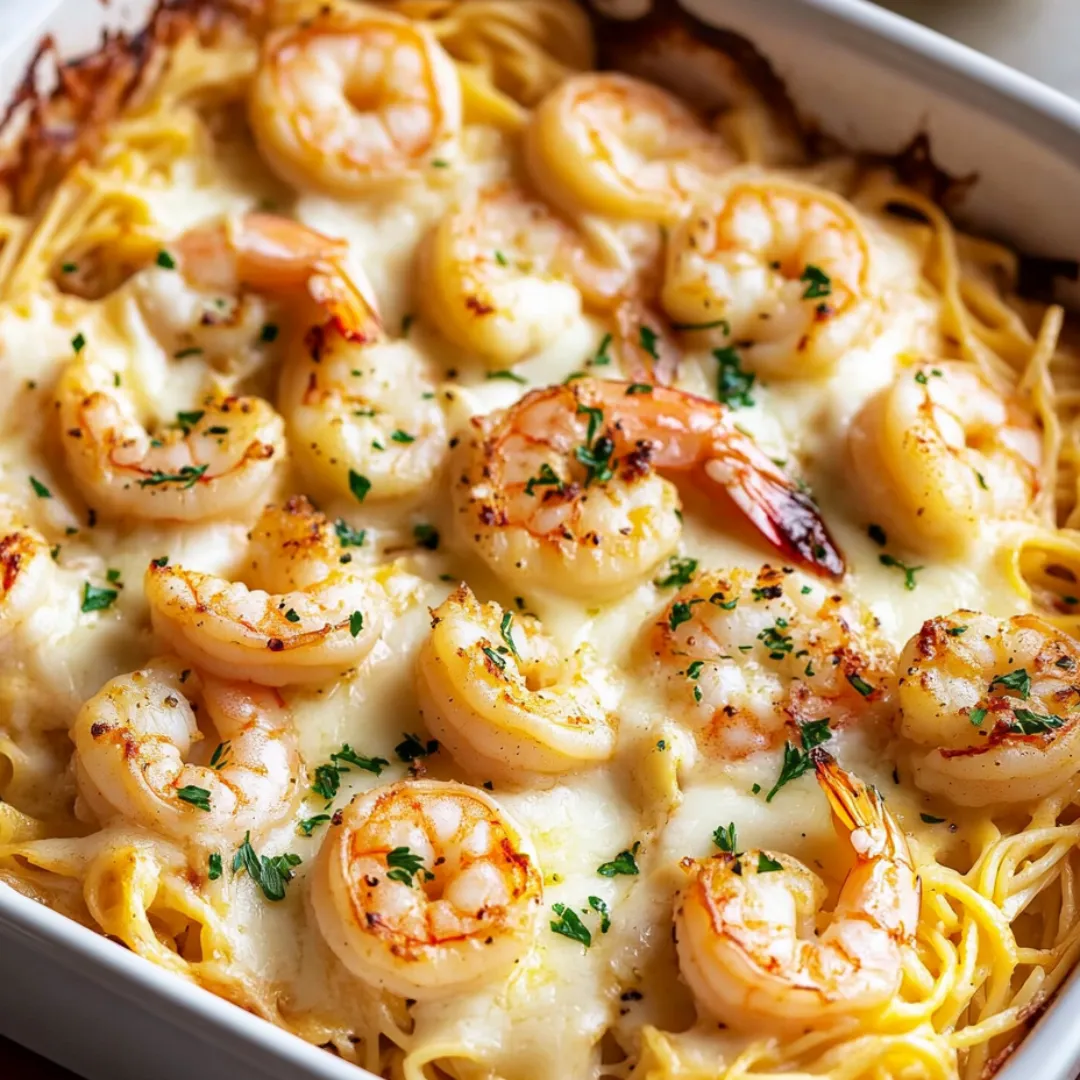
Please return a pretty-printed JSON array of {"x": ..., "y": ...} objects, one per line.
[
  {"x": 283, "y": 259},
  {"x": 609, "y": 144},
  {"x": 992, "y": 707},
  {"x": 496, "y": 693},
  {"x": 133, "y": 738},
  {"x": 26, "y": 573},
  {"x": 939, "y": 453},
  {"x": 560, "y": 492},
  {"x": 352, "y": 98},
  {"x": 319, "y": 617},
  {"x": 745, "y": 931},
  {"x": 215, "y": 461},
  {"x": 504, "y": 277},
  {"x": 746, "y": 655},
  {"x": 368, "y": 409},
  {"x": 426, "y": 889},
  {"x": 783, "y": 269}
]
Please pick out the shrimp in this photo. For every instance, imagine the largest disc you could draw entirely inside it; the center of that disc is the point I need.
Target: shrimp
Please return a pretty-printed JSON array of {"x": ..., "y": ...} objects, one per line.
[
  {"x": 367, "y": 409},
  {"x": 783, "y": 269},
  {"x": 504, "y": 277},
  {"x": 321, "y": 615},
  {"x": 281, "y": 258},
  {"x": 214, "y": 461},
  {"x": 746, "y": 655},
  {"x": 426, "y": 889},
  {"x": 613, "y": 145},
  {"x": 134, "y": 737},
  {"x": 745, "y": 926},
  {"x": 26, "y": 576},
  {"x": 496, "y": 693},
  {"x": 560, "y": 492},
  {"x": 350, "y": 100},
  {"x": 991, "y": 707},
  {"x": 940, "y": 452}
]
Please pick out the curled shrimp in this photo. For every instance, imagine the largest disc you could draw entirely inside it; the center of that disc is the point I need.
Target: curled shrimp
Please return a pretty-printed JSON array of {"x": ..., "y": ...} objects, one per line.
[
  {"x": 362, "y": 408},
  {"x": 350, "y": 99},
  {"x": 561, "y": 490},
  {"x": 273, "y": 255},
  {"x": 613, "y": 145},
  {"x": 745, "y": 924},
  {"x": 133, "y": 740},
  {"x": 991, "y": 707},
  {"x": 496, "y": 693},
  {"x": 426, "y": 888},
  {"x": 320, "y": 615},
  {"x": 940, "y": 452},
  {"x": 784, "y": 269},
  {"x": 746, "y": 655},
  {"x": 217, "y": 460},
  {"x": 505, "y": 277}
]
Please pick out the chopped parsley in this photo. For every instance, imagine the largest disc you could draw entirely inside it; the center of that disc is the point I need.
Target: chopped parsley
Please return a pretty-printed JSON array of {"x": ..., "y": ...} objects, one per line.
[
  {"x": 214, "y": 863},
  {"x": 494, "y": 657},
  {"x": 187, "y": 420},
  {"x": 165, "y": 261},
  {"x": 268, "y": 333},
  {"x": 929, "y": 819},
  {"x": 347, "y": 535},
  {"x": 726, "y": 839},
  {"x": 601, "y": 357},
  {"x": 328, "y": 777},
  {"x": 680, "y": 571},
  {"x": 647, "y": 337},
  {"x": 413, "y": 747},
  {"x": 356, "y": 623},
  {"x": 359, "y": 485},
  {"x": 546, "y": 478},
  {"x": 40, "y": 490},
  {"x": 595, "y": 455},
  {"x": 623, "y": 863},
  {"x": 713, "y": 325},
  {"x": 426, "y": 536},
  {"x": 97, "y": 599},
  {"x": 569, "y": 925},
  {"x": 733, "y": 385},
  {"x": 956, "y": 631},
  {"x": 778, "y": 643},
  {"x": 977, "y": 716},
  {"x": 1033, "y": 723},
  {"x": 680, "y": 613},
  {"x": 861, "y": 685},
  {"x": 1018, "y": 680},
  {"x": 78, "y": 343},
  {"x": 400, "y": 436},
  {"x": 603, "y": 911},
  {"x": 501, "y": 259},
  {"x": 817, "y": 282},
  {"x": 198, "y": 797},
  {"x": 187, "y": 477},
  {"x": 797, "y": 761},
  {"x": 509, "y": 375},
  {"x": 309, "y": 825},
  {"x": 405, "y": 866},
  {"x": 766, "y": 864},
  {"x": 270, "y": 874},
  {"x": 220, "y": 757},
  {"x": 506, "y": 631},
  {"x": 638, "y": 388},
  {"x": 909, "y": 571}
]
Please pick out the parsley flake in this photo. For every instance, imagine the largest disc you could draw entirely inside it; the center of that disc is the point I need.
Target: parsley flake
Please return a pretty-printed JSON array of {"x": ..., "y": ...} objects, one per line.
[
  {"x": 569, "y": 925},
  {"x": 623, "y": 863},
  {"x": 680, "y": 571},
  {"x": 817, "y": 282},
  {"x": 199, "y": 797}
]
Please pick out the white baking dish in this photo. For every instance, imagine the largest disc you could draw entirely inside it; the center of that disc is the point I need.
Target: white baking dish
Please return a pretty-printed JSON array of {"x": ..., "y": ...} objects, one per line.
[{"x": 869, "y": 77}]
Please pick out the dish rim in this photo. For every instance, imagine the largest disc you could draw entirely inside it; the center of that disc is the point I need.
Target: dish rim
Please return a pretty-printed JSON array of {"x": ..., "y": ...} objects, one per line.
[{"x": 953, "y": 71}]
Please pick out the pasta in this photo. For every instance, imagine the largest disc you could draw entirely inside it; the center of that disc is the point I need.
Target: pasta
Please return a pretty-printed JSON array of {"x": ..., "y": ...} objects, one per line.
[{"x": 695, "y": 532}]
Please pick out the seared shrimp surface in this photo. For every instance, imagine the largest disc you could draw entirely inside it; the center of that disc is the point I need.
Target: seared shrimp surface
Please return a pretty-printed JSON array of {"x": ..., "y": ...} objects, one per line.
[
  {"x": 562, "y": 491},
  {"x": 426, "y": 889},
  {"x": 940, "y": 452},
  {"x": 991, "y": 707},
  {"x": 495, "y": 692},
  {"x": 315, "y": 618},
  {"x": 746, "y": 656}
]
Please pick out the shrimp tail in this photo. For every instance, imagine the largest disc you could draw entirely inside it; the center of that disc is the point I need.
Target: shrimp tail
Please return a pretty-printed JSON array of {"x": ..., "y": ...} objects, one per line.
[
  {"x": 787, "y": 517},
  {"x": 855, "y": 805}
]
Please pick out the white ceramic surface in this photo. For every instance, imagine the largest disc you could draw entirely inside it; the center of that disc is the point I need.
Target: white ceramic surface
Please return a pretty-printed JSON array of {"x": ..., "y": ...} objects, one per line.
[{"x": 870, "y": 77}]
